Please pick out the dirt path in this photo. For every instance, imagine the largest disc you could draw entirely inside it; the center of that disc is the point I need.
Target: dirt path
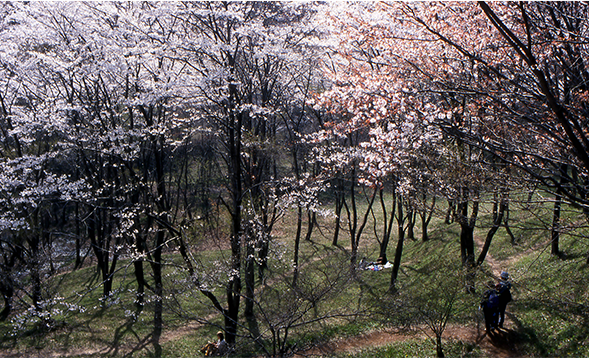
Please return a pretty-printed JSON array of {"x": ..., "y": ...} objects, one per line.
[{"x": 502, "y": 344}]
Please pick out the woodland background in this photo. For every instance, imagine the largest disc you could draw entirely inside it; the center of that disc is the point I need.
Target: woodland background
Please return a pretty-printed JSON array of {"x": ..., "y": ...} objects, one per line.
[{"x": 226, "y": 165}]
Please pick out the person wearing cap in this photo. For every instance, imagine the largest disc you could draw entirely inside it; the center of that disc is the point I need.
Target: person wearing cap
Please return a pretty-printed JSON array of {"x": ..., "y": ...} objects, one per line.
[
  {"x": 222, "y": 346},
  {"x": 218, "y": 348},
  {"x": 504, "y": 290}
]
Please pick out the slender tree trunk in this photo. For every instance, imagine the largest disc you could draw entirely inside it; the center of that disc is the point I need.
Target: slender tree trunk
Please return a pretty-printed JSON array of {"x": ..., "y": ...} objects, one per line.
[
  {"x": 311, "y": 221},
  {"x": 339, "y": 204},
  {"x": 233, "y": 289},
  {"x": 411, "y": 216},
  {"x": 356, "y": 242},
  {"x": 139, "y": 275},
  {"x": 467, "y": 225},
  {"x": 399, "y": 249},
  {"x": 158, "y": 308},
  {"x": 388, "y": 225},
  {"x": 450, "y": 212},
  {"x": 439, "y": 349},
  {"x": 498, "y": 210},
  {"x": 426, "y": 216},
  {"x": 512, "y": 238},
  {"x": 555, "y": 230},
  {"x": 249, "y": 276},
  {"x": 353, "y": 217},
  {"x": 297, "y": 244},
  {"x": 78, "y": 262},
  {"x": 7, "y": 295},
  {"x": 35, "y": 265}
]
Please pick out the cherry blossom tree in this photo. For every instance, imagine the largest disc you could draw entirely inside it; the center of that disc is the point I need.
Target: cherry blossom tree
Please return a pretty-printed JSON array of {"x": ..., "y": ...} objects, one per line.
[{"x": 37, "y": 181}]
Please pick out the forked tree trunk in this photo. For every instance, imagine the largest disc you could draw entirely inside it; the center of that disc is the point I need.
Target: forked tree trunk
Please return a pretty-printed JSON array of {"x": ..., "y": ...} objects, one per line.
[
  {"x": 388, "y": 225},
  {"x": 499, "y": 207}
]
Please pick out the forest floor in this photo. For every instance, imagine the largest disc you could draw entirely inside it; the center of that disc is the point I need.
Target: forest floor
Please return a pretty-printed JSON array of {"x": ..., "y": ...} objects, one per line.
[{"x": 502, "y": 343}]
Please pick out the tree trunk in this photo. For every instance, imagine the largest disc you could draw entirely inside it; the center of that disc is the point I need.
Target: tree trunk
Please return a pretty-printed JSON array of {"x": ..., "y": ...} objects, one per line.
[
  {"x": 498, "y": 210},
  {"x": 426, "y": 216},
  {"x": 399, "y": 249},
  {"x": 312, "y": 220},
  {"x": 411, "y": 216},
  {"x": 249, "y": 276},
  {"x": 512, "y": 238},
  {"x": 158, "y": 308},
  {"x": 439, "y": 350},
  {"x": 339, "y": 204},
  {"x": 450, "y": 213},
  {"x": 356, "y": 241},
  {"x": 555, "y": 230},
  {"x": 7, "y": 289},
  {"x": 388, "y": 226},
  {"x": 467, "y": 225},
  {"x": 233, "y": 288},
  {"x": 297, "y": 244}
]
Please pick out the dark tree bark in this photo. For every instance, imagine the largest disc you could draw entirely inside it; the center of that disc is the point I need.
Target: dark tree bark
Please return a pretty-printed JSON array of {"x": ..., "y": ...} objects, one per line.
[
  {"x": 555, "y": 228},
  {"x": 426, "y": 216},
  {"x": 499, "y": 207},
  {"x": 411, "y": 218},
  {"x": 387, "y": 225},
  {"x": 450, "y": 212},
  {"x": 340, "y": 201},
  {"x": 399, "y": 249}
]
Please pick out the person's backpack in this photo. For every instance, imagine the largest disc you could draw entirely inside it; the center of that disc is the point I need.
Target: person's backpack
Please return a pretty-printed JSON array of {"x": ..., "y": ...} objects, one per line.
[
  {"x": 505, "y": 293},
  {"x": 493, "y": 300}
]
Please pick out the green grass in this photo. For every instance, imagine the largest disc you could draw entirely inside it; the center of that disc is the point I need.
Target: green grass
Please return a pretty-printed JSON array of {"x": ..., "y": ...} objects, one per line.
[
  {"x": 414, "y": 348},
  {"x": 549, "y": 310}
]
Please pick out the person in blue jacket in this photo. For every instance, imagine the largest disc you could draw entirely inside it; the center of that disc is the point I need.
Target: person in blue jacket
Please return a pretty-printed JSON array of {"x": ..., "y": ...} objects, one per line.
[
  {"x": 490, "y": 307},
  {"x": 504, "y": 290}
]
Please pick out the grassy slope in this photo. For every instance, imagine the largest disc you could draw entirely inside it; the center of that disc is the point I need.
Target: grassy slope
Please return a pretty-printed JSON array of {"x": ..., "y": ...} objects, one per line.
[{"x": 549, "y": 311}]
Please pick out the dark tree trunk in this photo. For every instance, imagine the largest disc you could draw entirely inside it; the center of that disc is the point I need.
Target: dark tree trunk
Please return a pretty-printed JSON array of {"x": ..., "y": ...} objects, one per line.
[
  {"x": 139, "y": 274},
  {"x": 399, "y": 249},
  {"x": 233, "y": 289},
  {"x": 426, "y": 216},
  {"x": 467, "y": 225},
  {"x": 450, "y": 213},
  {"x": 498, "y": 210},
  {"x": 358, "y": 234},
  {"x": 7, "y": 289},
  {"x": 249, "y": 276},
  {"x": 78, "y": 262},
  {"x": 297, "y": 244},
  {"x": 311, "y": 221},
  {"x": 439, "y": 350},
  {"x": 339, "y": 204},
  {"x": 158, "y": 309},
  {"x": 411, "y": 216},
  {"x": 388, "y": 226},
  {"x": 512, "y": 238},
  {"x": 555, "y": 230}
]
